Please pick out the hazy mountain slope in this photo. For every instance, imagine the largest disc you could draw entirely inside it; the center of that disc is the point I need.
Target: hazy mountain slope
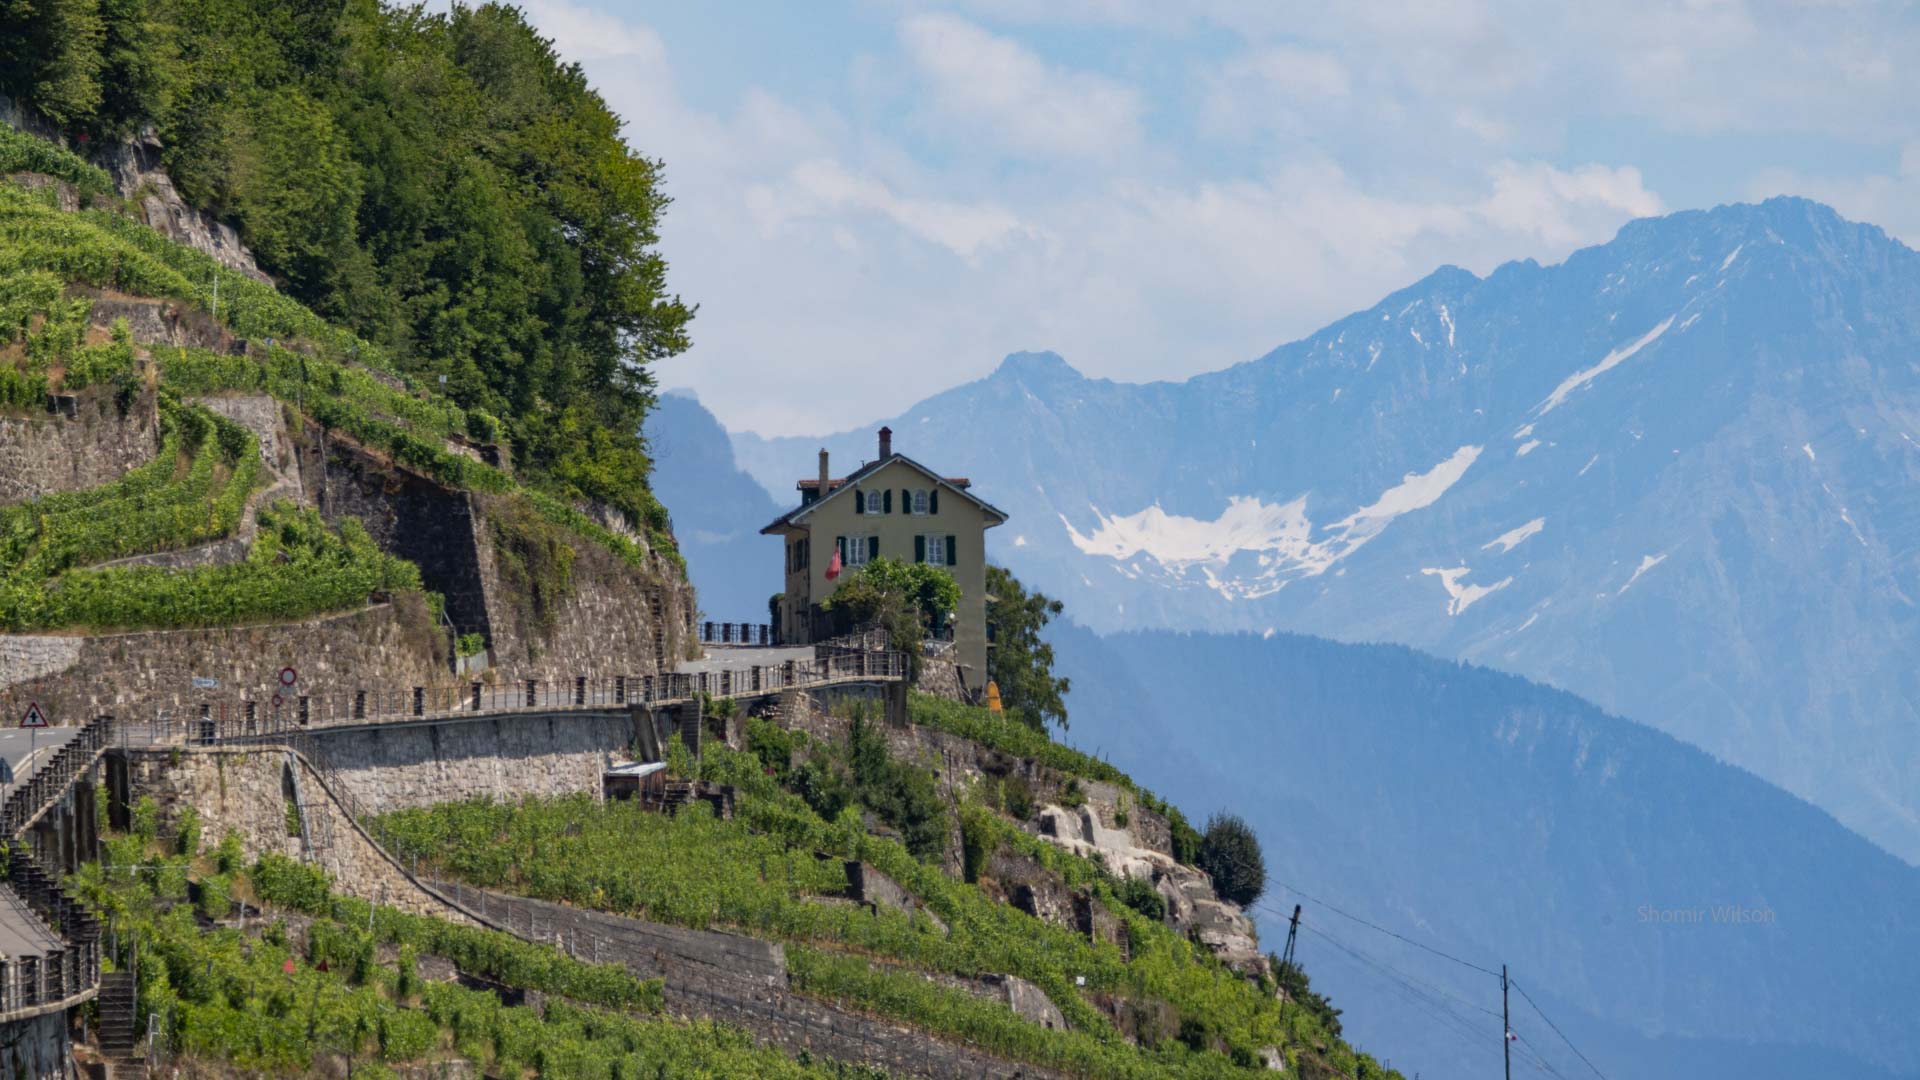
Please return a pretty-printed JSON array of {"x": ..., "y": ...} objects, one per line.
[
  {"x": 717, "y": 511},
  {"x": 1678, "y": 474},
  {"x": 1509, "y": 823}
]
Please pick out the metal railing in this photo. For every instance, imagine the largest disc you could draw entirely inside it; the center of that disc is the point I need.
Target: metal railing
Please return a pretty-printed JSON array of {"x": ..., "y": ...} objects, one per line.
[
  {"x": 741, "y": 633},
  {"x": 227, "y": 720},
  {"x": 32, "y": 797},
  {"x": 62, "y": 976}
]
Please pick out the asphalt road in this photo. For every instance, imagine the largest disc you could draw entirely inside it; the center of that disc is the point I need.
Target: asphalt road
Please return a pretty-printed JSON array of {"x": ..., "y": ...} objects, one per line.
[{"x": 25, "y": 751}]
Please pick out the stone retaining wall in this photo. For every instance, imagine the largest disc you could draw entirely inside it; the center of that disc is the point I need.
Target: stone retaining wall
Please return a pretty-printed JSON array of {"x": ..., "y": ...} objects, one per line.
[
  {"x": 136, "y": 676},
  {"x": 394, "y": 766},
  {"x": 248, "y": 791},
  {"x": 43, "y": 452}
]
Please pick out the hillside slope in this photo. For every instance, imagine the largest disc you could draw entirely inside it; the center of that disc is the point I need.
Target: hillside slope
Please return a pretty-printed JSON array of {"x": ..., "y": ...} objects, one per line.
[
  {"x": 258, "y": 483},
  {"x": 1673, "y": 474},
  {"x": 1504, "y": 822}
]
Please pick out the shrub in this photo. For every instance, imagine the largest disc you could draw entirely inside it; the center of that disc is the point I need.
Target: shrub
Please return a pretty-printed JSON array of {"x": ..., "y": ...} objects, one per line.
[
  {"x": 188, "y": 832},
  {"x": 146, "y": 818},
  {"x": 406, "y": 1035},
  {"x": 1142, "y": 897},
  {"x": 1230, "y": 854}
]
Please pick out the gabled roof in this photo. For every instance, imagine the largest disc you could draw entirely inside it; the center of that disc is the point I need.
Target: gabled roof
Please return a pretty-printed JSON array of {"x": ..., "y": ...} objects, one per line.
[{"x": 957, "y": 485}]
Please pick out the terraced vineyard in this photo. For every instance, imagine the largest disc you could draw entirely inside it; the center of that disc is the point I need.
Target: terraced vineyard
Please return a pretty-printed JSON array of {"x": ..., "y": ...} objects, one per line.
[{"x": 777, "y": 870}]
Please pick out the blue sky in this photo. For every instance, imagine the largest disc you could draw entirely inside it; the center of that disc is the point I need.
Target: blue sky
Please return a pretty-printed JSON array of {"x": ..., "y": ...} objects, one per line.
[{"x": 878, "y": 199}]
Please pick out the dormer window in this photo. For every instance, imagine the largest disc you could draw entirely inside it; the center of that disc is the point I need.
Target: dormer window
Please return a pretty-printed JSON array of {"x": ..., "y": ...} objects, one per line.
[{"x": 920, "y": 501}]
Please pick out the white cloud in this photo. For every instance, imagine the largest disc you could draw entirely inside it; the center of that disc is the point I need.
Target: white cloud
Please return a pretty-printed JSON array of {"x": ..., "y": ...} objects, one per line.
[
  {"x": 821, "y": 188},
  {"x": 1563, "y": 207},
  {"x": 1003, "y": 90}
]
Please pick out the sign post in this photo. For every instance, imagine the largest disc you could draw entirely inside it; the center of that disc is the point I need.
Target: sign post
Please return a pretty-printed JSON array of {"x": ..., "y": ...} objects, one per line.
[{"x": 33, "y": 721}]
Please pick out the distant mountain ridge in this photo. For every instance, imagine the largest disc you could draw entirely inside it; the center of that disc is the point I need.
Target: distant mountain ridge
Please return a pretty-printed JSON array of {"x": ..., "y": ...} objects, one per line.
[
  {"x": 1678, "y": 474},
  {"x": 1504, "y": 822}
]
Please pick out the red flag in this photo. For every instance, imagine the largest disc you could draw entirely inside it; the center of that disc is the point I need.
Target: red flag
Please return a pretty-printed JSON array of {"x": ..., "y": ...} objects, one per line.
[{"x": 833, "y": 568}]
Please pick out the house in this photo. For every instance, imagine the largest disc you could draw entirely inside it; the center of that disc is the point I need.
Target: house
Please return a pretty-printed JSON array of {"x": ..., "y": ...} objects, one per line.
[{"x": 895, "y": 507}]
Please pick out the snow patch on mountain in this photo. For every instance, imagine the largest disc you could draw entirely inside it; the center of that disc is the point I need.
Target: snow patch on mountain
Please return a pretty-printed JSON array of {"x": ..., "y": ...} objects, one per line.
[
  {"x": 1462, "y": 596},
  {"x": 1512, "y": 538},
  {"x": 1607, "y": 363},
  {"x": 1280, "y": 535},
  {"x": 1647, "y": 562}
]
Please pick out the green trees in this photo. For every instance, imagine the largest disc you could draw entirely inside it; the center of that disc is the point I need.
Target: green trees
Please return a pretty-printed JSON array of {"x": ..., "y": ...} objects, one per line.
[
  {"x": 1230, "y": 853},
  {"x": 905, "y": 599},
  {"x": 442, "y": 184},
  {"x": 1020, "y": 663}
]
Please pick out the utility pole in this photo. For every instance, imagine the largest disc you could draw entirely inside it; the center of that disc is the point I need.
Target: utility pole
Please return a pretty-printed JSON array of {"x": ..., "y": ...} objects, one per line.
[
  {"x": 1293, "y": 930},
  {"x": 1506, "y": 1024}
]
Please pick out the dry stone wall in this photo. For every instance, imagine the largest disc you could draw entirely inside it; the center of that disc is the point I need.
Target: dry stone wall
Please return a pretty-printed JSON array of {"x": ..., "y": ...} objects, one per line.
[
  {"x": 138, "y": 676},
  {"x": 247, "y": 792},
  {"x": 394, "y": 766},
  {"x": 104, "y": 437}
]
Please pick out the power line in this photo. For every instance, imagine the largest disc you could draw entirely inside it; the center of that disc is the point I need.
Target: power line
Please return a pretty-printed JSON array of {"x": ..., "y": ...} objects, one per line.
[
  {"x": 1423, "y": 999},
  {"x": 1381, "y": 929},
  {"x": 1397, "y": 972},
  {"x": 1557, "y": 1031}
]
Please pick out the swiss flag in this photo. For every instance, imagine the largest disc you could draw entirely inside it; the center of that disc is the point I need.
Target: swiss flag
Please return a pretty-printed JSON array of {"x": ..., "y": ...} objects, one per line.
[{"x": 833, "y": 568}]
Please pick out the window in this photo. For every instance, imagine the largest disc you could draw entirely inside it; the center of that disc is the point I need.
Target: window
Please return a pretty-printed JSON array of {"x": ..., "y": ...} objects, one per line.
[
  {"x": 936, "y": 547},
  {"x": 920, "y": 502},
  {"x": 859, "y": 549},
  {"x": 873, "y": 502}
]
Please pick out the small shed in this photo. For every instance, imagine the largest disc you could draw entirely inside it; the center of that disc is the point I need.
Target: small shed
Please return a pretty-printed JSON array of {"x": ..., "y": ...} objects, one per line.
[{"x": 645, "y": 779}]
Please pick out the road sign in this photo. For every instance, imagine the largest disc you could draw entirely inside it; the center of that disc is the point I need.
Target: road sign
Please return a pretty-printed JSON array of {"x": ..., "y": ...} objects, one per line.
[
  {"x": 201, "y": 682},
  {"x": 288, "y": 676},
  {"x": 278, "y": 701},
  {"x": 34, "y": 717}
]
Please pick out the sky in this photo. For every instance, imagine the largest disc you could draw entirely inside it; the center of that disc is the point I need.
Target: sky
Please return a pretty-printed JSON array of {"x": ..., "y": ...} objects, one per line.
[{"x": 875, "y": 200}]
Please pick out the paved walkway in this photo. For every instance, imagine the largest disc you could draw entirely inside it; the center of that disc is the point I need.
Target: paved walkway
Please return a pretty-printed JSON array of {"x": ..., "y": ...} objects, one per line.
[
  {"x": 744, "y": 657},
  {"x": 21, "y": 931}
]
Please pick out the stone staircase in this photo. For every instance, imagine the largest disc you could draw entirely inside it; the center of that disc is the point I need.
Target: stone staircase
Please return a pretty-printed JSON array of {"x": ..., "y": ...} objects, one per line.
[{"x": 118, "y": 1006}]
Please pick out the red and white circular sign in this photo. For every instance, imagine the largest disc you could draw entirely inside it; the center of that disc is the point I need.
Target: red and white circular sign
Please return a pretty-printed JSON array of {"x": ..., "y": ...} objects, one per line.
[{"x": 288, "y": 676}]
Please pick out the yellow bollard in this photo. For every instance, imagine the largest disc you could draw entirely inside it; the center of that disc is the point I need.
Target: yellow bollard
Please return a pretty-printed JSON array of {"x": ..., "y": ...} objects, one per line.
[{"x": 993, "y": 696}]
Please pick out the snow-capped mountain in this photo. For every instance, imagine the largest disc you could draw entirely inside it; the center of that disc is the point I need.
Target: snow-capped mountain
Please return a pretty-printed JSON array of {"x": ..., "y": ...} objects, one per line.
[{"x": 1678, "y": 474}]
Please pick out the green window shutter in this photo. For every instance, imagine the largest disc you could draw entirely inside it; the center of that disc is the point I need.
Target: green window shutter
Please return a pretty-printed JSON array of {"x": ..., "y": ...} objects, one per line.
[
  {"x": 919, "y": 549},
  {"x": 906, "y": 500},
  {"x": 873, "y": 547},
  {"x": 886, "y": 501},
  {"x": 952, "y": 555},
  {"x": 840, "y": 545},
  {"x": 933, "y": 501},
  {"x": 859, "y": 501}
]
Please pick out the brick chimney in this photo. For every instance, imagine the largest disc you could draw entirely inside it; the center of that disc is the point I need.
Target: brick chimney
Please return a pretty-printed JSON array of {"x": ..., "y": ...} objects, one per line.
[
  {"x": 823, "y": 472},
  {"x": 886, "y": 443}
]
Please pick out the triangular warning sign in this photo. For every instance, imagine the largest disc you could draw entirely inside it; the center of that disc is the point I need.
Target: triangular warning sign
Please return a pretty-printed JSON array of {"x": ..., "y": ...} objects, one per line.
[{"x": 34, "y": 717}]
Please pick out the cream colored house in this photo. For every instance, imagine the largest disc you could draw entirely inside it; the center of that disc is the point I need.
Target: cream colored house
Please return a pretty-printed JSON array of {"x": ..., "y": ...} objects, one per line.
[{"x": 894, "y": 507}]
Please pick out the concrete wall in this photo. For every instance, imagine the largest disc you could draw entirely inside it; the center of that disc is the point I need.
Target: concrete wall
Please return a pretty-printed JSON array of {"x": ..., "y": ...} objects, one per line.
[
  {"x": 135, "y": 675},
  {"x": 42, "y": 452}
]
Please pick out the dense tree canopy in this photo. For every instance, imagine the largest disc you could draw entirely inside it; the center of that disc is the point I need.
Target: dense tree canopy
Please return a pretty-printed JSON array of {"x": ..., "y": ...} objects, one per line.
[
  {"x": 1020, "y": 663},
  {"x": 443, "y": 184}
]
